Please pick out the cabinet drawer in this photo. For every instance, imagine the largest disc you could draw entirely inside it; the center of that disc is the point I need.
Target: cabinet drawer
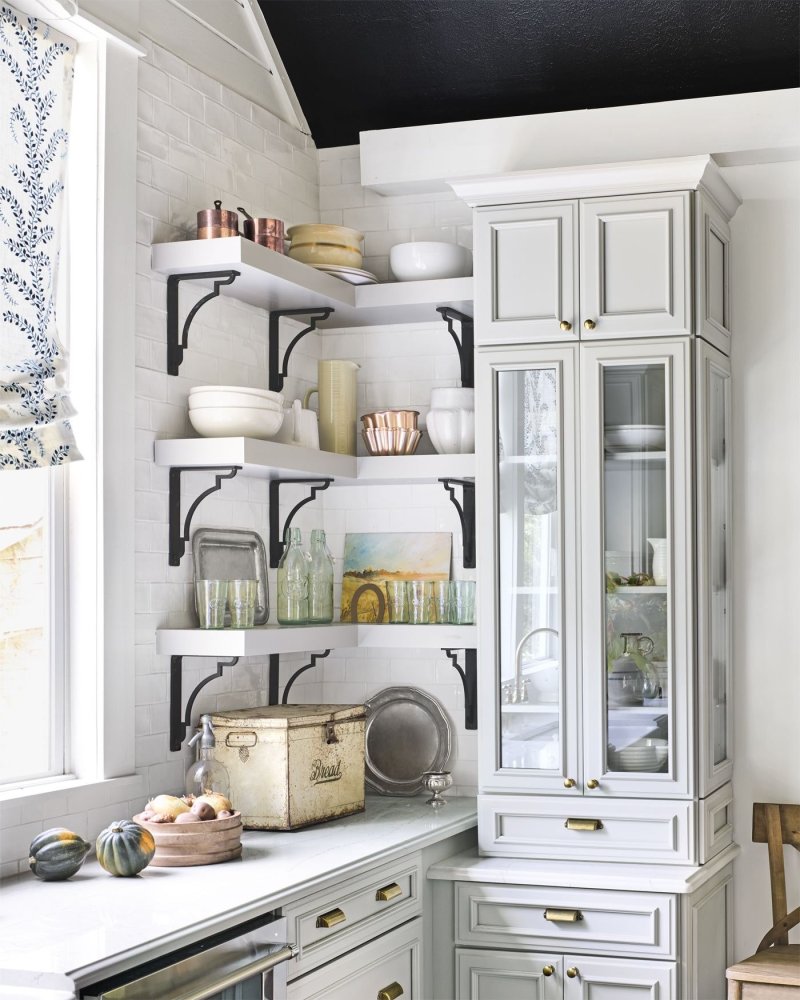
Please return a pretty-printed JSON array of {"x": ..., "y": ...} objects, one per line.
[
  {"x": 627, "y": 829},
  {"x": 324, "y": 924},
  {"x": 391, "y": 963},
  {"x": 590, "y": 920}
]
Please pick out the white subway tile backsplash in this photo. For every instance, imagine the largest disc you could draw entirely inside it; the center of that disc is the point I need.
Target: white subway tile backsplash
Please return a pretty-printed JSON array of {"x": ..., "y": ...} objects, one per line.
[
  {"x": 153, "y": 80},
  {"x": 186, "y": 99},
  {"x": 170, "y": 119}
]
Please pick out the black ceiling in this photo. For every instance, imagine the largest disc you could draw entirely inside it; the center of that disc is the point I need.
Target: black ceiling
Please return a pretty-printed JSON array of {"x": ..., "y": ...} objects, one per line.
[{"x": 369, "y": 64}]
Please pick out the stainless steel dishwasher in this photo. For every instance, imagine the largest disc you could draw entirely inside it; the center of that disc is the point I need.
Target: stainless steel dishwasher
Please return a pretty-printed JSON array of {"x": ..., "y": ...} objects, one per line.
[{"x": 246, "y": 962}]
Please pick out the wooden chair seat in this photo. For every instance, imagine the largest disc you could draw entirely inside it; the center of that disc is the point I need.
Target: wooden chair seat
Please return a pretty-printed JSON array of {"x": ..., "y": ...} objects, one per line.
[{"x": 773, "y": 974}]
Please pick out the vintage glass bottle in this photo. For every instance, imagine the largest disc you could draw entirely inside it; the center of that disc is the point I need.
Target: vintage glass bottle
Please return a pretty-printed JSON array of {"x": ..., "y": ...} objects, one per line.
[
  {"x": 293, "y": 582},
  {"x": 320, "y": 580},
  {"x": 207, "y": 774}
]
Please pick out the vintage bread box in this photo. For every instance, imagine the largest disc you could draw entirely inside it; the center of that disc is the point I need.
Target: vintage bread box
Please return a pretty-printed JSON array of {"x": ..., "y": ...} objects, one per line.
[{"x": 293, "y": 765}]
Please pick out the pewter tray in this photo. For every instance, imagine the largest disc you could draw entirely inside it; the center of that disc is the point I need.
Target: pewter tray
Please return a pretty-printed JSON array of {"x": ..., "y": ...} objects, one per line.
[
  {"x": 407, "y": 734},
  {"x": 233, "y": 554}
]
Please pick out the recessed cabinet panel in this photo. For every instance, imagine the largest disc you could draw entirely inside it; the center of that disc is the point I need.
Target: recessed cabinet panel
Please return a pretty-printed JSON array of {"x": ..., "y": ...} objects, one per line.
[
  {"x": 615, "y": 978},
  {"x": 635, "y": 266},
  {"x": 525, "y": 268},
  {"x": 712, "y": 273},
  {"x": 498, "y": 975}
]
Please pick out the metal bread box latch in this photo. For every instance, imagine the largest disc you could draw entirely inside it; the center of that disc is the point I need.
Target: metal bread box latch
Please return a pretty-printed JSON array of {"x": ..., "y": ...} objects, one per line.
[
  {"x": 330, "y": 732},
  {"x": 241, "y": 738},
  {"x": 583, "y": 824}
]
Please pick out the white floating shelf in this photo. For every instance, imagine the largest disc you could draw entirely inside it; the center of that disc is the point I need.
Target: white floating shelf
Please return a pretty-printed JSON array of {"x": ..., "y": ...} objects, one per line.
[
  {"x": 281, "y": 461},
  {"x": 273, "y": 281},
  {"x": 636, "y": 456},
  {"x": 639, "y": 590},
  {"x": 266, "y": 639},
  {"x": 259, "y": 641}
]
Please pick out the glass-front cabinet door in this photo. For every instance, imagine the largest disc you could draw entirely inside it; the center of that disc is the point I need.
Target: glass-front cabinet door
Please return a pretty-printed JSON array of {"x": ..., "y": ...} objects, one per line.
[
  {"x": 530, "y": 502},
  {"x": 637, "y": 581}
]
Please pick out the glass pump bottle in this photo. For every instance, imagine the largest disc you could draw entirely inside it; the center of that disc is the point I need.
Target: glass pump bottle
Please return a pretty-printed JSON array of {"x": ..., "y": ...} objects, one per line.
[
  {"x": 293, "y": 582},
  {"x": 207, "y": 774},
  {"x": 320, "y": 580}
]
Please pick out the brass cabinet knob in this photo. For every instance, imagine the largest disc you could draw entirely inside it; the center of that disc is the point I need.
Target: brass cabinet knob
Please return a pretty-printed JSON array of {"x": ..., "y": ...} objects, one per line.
[
  {"x": 589, "y": 324},
  {"x": 572, "y": 972},
  {"x": 592, "y": 783},
  {"x": 565, "y": 325},
  {"x": 548, "y": 970},
  {"x": 569, "y": 782},
  {"x": 331, "y": 918},
  {"x": 390, "y": 992}
]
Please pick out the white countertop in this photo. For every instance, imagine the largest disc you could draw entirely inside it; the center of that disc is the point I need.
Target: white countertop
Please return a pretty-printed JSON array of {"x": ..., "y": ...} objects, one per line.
[{"x": 91, "y": 924}]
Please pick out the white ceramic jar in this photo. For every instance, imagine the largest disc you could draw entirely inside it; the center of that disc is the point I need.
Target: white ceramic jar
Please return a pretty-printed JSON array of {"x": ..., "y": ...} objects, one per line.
[{"x": 451, "y": 420}]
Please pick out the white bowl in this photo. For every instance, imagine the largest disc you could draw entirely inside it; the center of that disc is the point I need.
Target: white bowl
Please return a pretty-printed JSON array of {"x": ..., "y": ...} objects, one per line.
[
  {"x": 631, "y": 437},
  {"x": 240, "y": 421},
  {"x": 452, "y": 432},
  {"x": 452, "y": 398},
  {"x": 274, "y": 397},
  {"x": 205, "y": 400},
  {"x": 421, "y": 261}
]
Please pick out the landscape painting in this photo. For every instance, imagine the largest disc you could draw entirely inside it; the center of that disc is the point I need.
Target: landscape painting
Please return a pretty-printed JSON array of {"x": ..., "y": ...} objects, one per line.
[{"x": 375, "y": 557}]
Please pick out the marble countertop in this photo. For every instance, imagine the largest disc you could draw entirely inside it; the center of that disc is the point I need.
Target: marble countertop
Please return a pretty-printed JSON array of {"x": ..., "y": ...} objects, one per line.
[{"x": 93, "y": 923}]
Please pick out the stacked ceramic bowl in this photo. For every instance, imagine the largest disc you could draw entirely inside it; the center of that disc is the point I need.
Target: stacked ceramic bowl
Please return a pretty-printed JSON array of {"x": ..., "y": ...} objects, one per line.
[
  {"x": 451, "y": 421},
  {"x": 648, "y": 755},
  {"x": 324, "y": 245},
  {"x": 235, "y": 411},
  {"x": 391, "y": 432}
]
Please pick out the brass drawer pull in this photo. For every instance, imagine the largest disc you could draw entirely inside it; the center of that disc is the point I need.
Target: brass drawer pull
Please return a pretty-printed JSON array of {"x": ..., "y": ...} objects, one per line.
[
  {"x": 390, "y": 992},
  {"x": 331, "y": 918},
  {"x": 563, "y": 916},
  {"x": 388, "y": 892},
  {"x": 583, "y": 824}
]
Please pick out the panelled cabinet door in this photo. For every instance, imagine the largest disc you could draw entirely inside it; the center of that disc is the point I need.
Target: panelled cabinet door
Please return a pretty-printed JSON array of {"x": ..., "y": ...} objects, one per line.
[
  {"x": 526, "y": 434},
  {"x": 713, "y": 477},
  {"x": 615, "y": 978},
  {"x": 507, "y": 975},
  {"x": 635, "y": 273},
  {"x": 526, "y": 274},
  {"x": 637, "y": 568},
  {"x": 712, "y": 273}
]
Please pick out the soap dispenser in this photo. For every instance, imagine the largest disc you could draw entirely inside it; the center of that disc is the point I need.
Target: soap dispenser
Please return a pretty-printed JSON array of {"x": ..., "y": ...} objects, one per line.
[{"x": 207, "y": 775}]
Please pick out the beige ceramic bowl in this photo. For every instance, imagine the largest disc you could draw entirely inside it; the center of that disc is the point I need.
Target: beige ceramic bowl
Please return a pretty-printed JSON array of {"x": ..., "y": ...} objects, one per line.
[{"x": 317, "y": 243}]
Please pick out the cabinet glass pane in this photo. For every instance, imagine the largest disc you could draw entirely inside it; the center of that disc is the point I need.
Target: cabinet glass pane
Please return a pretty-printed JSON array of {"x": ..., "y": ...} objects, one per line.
[
  {"x": 529, "y": 539},
  {"x": 718, "y": 490},
  {"x": 637, "y": 568}
]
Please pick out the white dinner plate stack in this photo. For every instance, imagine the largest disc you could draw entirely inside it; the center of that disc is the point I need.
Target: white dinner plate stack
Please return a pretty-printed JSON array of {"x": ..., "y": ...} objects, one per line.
[
  {"x": 235, "y": 411},
  {"x": 649, "y": 755}
]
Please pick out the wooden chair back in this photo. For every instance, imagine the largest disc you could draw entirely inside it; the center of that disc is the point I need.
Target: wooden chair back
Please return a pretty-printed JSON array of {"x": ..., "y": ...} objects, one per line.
[{"x": 776, "y": 825}]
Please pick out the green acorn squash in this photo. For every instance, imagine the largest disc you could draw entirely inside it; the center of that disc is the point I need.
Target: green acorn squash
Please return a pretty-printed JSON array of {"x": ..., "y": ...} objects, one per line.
[
  {"x": 125, "y": 848},
  {"x": 57, "y": 854}
]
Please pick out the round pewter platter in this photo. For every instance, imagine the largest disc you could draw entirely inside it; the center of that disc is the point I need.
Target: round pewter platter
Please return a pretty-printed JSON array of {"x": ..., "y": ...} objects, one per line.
[{"x": 407, "y": 733}]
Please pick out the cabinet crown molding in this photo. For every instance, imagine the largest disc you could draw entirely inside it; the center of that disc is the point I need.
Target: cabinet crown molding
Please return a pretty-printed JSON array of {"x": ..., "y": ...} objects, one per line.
[{"x": 600, "y": 179}]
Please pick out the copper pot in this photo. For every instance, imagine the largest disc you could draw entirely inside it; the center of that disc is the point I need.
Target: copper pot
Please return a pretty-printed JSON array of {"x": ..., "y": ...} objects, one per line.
[
  {"x": 268, "y": 232},
  {"x": 216, "y": 222}
]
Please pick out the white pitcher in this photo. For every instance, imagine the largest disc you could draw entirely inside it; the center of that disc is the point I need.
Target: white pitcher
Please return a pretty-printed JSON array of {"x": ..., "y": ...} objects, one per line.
[{"x": 337, "y": 391}]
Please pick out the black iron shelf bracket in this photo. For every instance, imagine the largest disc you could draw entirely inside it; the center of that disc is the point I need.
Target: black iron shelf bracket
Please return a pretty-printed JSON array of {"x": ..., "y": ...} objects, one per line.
[
  {"x": 178, "y": 538},
  {"x": 278, "y": 370},
  {"x": 179, "y": 722},
  {"x": 466, "y": 515},
  {"x": 177, "y": 344},
  {"x": 302, "y": 670},
  {"x": 469, "y": 678},
  {"x": 277, "y": 535},
  {"x": 465, "y": 344}
]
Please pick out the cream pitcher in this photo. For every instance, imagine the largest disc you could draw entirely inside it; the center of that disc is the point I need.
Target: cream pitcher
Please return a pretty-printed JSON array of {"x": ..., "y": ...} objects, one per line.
[{"x": 337, "y": 393}]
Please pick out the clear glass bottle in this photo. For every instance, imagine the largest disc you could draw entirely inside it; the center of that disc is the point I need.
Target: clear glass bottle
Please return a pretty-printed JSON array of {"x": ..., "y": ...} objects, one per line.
[
  {"x": 293, "y": 582},
  {"x": 207, "y": 774},
  {"x": 320, "y": 580}
]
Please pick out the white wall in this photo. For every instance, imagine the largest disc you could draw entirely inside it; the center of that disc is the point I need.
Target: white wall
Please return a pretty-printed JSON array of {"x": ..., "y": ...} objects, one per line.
[{"x": 766, "y": 444}]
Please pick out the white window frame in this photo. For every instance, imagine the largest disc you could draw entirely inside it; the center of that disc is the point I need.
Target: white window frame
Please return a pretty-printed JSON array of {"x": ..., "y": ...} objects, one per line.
[{"x": 100, "y": 744}]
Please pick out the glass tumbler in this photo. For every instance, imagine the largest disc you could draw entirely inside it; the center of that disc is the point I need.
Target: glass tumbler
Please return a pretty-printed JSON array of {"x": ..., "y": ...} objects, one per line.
[
  {"x": 441, "y": 601},
  {"x": 242, "y": 602},
  {"x": 210, "y": 597},
  {"x": 420, "y": 602},
  {"x": 396, "y": 601},
  {"x": 462, "y": 602}
]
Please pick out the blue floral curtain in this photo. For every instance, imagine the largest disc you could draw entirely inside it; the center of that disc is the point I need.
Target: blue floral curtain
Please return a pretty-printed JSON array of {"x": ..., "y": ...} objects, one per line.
[{"x": 36, "y": 66}]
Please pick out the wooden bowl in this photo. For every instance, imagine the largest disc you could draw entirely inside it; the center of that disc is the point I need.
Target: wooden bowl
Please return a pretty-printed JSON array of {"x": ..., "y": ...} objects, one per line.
[{"x": 205, "y": 842}]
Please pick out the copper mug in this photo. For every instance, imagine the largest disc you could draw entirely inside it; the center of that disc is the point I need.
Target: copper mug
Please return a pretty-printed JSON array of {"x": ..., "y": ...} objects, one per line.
[
  {"x": 216, "y": 222},
  {"x": 267, "y": 232}
]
